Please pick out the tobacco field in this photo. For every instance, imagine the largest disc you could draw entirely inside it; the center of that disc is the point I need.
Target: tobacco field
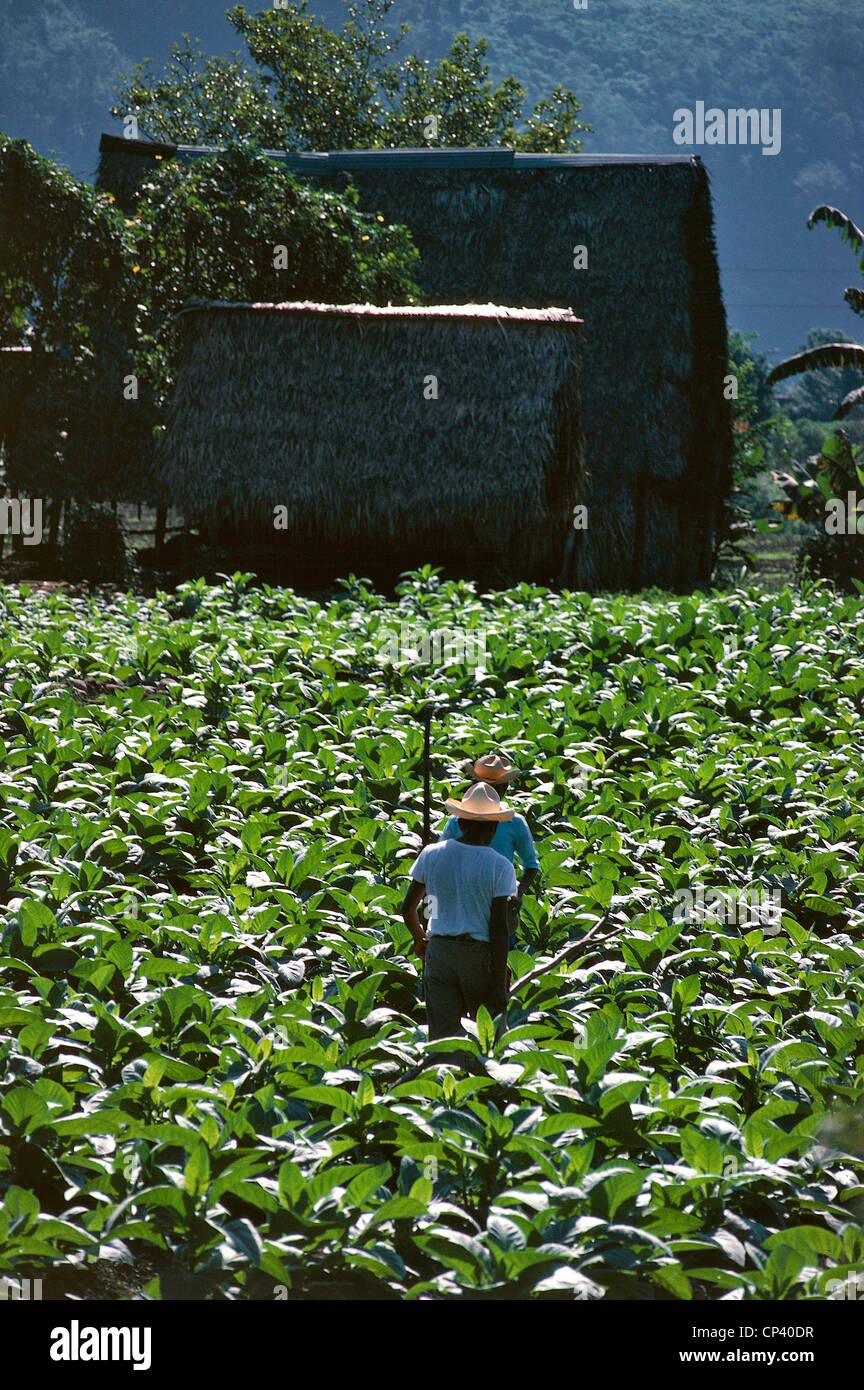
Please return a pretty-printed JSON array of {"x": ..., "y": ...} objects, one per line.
[{"x": 211, "y": 1026}]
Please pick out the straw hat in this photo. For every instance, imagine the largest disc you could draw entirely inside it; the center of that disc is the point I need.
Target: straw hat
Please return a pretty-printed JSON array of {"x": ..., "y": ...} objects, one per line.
[
  {"x": 491, "y": 768},
  {"x": 480, "y": 802}
]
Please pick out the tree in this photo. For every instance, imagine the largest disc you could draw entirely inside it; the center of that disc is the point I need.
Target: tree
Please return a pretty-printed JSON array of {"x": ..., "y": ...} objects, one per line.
[
  {"x": 64, "y": 255},
  {"x": 837, "y": 354},
  {"x": 200, "y": 100},
  {"x": 313, "y": 88},
  {"x": 67, "y": 285},
  {"x": 96, "y": 293},
  {"x": 756, "y": 428},
  {"x": 236, "y": 226}
]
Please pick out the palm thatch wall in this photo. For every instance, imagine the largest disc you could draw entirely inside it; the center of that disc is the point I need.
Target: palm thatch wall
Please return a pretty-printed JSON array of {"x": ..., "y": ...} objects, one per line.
[
  {"x": 329, "y": 411},
  {"x": 657, "y": 427},
  {"x": 496, "y": 226}
]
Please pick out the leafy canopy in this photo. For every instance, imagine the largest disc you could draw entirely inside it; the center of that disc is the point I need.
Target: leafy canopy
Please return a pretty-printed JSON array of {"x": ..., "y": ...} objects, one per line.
[
  {"x": 822, "y": 492},
  {"x": 311, "y": 87},
  {"x": 67, "y": 285},
  {"x": 101, "y": 291},
  {"x": 236, "y": 226},
  {"x": 64, "y": 254}
]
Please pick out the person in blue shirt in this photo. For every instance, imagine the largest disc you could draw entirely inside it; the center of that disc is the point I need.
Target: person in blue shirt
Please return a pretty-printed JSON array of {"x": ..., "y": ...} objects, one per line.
[{"x": 512, "y": 838}]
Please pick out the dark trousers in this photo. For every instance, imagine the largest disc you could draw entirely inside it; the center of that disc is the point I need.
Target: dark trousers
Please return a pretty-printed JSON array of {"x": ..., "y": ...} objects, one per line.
[{"x": 457, "y": 978}]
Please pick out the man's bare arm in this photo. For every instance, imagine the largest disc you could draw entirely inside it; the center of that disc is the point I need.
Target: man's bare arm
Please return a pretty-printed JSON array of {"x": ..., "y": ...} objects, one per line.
[
  {"x": 528, "y": 877},
  {"x": 413, "y": 898},
  {"x": 499, "y": 939}
]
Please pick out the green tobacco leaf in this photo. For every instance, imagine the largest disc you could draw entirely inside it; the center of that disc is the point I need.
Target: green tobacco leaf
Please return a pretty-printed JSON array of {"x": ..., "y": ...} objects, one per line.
[
  {"x": 809, "y": 1241},
  {"x": 686, "y": 992},
  {"x": 25, "y": 1109},
  {"x": 784, "y": 1265},
  {"x": 331, "y": 1097},
  {"x": 196, "y": 1175},
  {"x": 365, "y": 1094},
  {"x": 397, "y": 1209},
  {"x": 364, "y": 1184},
  {"x": 506, "y": 1234},
  {"x": 485, "y": 1029},
  {"x": 672, "y": 1278},
  {"x": 245, "y": 1239}
]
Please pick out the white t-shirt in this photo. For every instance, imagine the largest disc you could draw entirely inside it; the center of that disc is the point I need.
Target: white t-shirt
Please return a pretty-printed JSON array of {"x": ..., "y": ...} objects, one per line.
[{"x": 461, "y": 881}]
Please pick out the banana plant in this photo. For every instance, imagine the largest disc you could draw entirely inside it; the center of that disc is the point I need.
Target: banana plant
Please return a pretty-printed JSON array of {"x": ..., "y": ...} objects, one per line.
[{"x": 833, "y": 354}]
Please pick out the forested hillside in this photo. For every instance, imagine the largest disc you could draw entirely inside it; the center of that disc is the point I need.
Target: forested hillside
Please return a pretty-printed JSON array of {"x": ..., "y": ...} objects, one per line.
[{"x": 633, "y": 63}]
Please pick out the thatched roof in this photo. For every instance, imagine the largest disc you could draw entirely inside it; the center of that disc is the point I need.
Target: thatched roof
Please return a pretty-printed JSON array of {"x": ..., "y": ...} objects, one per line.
[
  {"x": 322, "y": 409},
  {"x": 657, "y": 427},
  {"x": 491, "y": 225}
]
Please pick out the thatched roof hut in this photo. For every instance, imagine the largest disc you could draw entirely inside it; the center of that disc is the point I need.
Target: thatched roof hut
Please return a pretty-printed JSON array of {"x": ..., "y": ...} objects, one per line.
[
  {"x": 390, "y": 436},
  {"x": 494, "y": 225}
]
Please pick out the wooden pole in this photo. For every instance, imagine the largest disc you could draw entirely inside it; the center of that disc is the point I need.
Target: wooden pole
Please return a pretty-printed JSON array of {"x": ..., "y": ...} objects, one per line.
[{"x": 427, "y": 794}]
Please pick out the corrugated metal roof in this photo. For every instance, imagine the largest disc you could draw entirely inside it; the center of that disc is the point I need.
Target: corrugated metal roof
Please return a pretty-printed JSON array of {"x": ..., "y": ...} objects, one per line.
[
  {"x": 450, "y": 157},
  {"x": 118, "y": 144},
  {"x": 586, "y": 161}
]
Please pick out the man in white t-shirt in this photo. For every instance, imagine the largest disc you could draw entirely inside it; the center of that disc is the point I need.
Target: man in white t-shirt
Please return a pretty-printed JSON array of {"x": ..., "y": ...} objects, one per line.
[{"x": 467, "y": 885}]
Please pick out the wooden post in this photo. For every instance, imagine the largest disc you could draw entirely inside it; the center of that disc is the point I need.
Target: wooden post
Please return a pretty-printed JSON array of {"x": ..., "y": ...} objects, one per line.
[
  {"x": 427, "y": 823},
  {"x": 53, "y": 509},
  {"x": 161, "y": 521},
  {"x": 15, "y": 542}
]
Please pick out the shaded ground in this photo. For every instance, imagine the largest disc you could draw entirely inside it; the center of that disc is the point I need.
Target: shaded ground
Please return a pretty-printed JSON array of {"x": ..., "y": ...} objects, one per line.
[{"x": 185, "y": 557}]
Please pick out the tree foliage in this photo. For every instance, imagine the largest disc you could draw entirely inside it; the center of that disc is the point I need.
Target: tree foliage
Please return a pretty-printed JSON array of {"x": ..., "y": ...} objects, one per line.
[
  {"x": 236, "y": 226},
  {"x": 754, "y": 410},
  {"x": 95, "y": 293},
  {"x": 312, "y": 87},
  {"x": 67, "y": 286},
  {"x": 64, "y": 256},
  {"x": 824, "y": 486}
]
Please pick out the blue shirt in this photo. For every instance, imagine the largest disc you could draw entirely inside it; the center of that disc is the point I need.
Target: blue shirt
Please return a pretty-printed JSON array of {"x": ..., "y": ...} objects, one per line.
[{"x": 511, "y": 837}]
